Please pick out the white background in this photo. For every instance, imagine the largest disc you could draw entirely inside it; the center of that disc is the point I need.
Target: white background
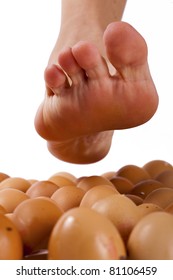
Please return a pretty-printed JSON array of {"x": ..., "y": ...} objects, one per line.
[
  {"x": 37, "y": 269},
  {"x": 28, "y": 31}
]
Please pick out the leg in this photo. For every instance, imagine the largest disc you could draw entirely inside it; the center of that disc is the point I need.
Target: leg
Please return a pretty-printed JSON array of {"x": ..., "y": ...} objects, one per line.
[{"x": 105, "y": 83}]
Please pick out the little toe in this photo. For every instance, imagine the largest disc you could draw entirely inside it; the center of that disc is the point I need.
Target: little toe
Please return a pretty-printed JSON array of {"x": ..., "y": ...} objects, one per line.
[
  {"x": 71, "y": 67},
  {"x": 55, "y": 79},
  {"x": 89, "y": 59}
]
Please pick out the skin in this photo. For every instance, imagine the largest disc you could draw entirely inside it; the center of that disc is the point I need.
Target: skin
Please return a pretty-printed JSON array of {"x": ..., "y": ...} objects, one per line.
[{"x": 96, "y": 82}]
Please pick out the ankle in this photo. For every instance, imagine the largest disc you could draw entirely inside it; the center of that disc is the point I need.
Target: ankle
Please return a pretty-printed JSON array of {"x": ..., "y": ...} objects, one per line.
[
  {"x": 97, "y": 12},
  {"x": 86, "y": 22}
]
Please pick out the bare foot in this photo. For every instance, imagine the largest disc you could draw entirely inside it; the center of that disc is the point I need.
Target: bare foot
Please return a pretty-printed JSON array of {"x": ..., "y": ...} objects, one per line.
[{"x": 81, "y": 111}]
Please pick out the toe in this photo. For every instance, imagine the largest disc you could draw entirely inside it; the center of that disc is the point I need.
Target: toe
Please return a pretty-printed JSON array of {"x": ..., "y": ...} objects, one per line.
[
  {"x": 127, "y": 51},
  {"x": 125, "y": 47},
  {"x": 71, "y": 67},
  {"x": 89, "y": 59},
  {"x": 55, "y": 79}
]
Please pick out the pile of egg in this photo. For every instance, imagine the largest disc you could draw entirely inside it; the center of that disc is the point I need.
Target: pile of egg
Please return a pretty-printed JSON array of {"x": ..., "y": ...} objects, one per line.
[{"x": 124, "y": 214}]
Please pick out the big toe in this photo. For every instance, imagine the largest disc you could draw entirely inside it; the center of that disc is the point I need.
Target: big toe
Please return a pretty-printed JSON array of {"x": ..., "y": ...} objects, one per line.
[
  {"x": 124, "y": 45},
  {"x": 127, "y": 51}
]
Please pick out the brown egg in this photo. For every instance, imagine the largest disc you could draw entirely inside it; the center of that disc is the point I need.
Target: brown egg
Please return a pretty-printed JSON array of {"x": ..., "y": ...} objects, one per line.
[
  {"x": 10, "y": 198},
  {"x": 3, "y": 176},
  {"x": 147, "y": 208},
  {"x": 143, "y": 188},
  {"x": 2, "y": 210},
  {"x": 166, "y": 178},
  {"x": 91, "y": 181},
  {"x": 136, "y": 199},
  {"x": 63, "y": 179},
  {"x": 80, "y": 178},
  {"x": 38, "y": 255},
  {"x": 42, "y": 188},
  {"x": 169, "y": 208},
  {"x": 96, "y": 193},
  {"x": 10, "y": 240},
  {"x": 15, "y": 183},
  {"x": 68, "y": 197},
  {"x": 84, "y": 234},
  {"x": 67, "y": 175},
  {"x": 123, "y": 185},
  {"x": 11, "y": 217},
  {"x": 152, "y": 238},
  {"x": 109, "y": 175},
  {"x": 35, "y": 219},
  {"x": 133, "y": 173},
  {"x": 121, "y": 211},
  {"x": 32, "y": 181},
  {"x": 161, "y": 197},
  {"x": 155, "y": 167}
]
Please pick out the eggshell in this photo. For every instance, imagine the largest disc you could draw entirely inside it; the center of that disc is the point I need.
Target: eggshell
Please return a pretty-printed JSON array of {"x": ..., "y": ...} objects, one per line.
[
  {"x": 147, "y": 208},
  {"x": 143, "y": 188},
  {"x": 42, "y": 188},
  {"x": 152, "y": 238},
  {"x": 35, "y": 219},
  {"x": 121, "y": 211},
  {"x": 10, "y": 198},
  {"x": 2, "y": 210},
  {"x": 136, "y": 199},
  {"x": 67, "y": 175},
  {"x": 32, "y": 181},
  {"x": 166, "y": 178},
  {"x": 68, "y": 197},
  {"x": 38, "y": 255},
  {"x": 80, "y": 178},
  {"x": 96, "y": 193},
  {"x": 133, "y": 173},
  {"x": 3, "y": 176},
  {"x": 11, "y": 217},
  {"x": 63, "y": 179},
  {"x": 109, "y": 175},
  {"x": 91, "y": 181},
  {"x": 122, "y": 184},
  {"x": 169, "y": 208},
  {"x": 161, "y": 197},
  {"x": 84, "y": 234},
  {"x": 10, "y": 240},
  {"x": 155, "y": 167},
  {"x": 15, "y": 183}
]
